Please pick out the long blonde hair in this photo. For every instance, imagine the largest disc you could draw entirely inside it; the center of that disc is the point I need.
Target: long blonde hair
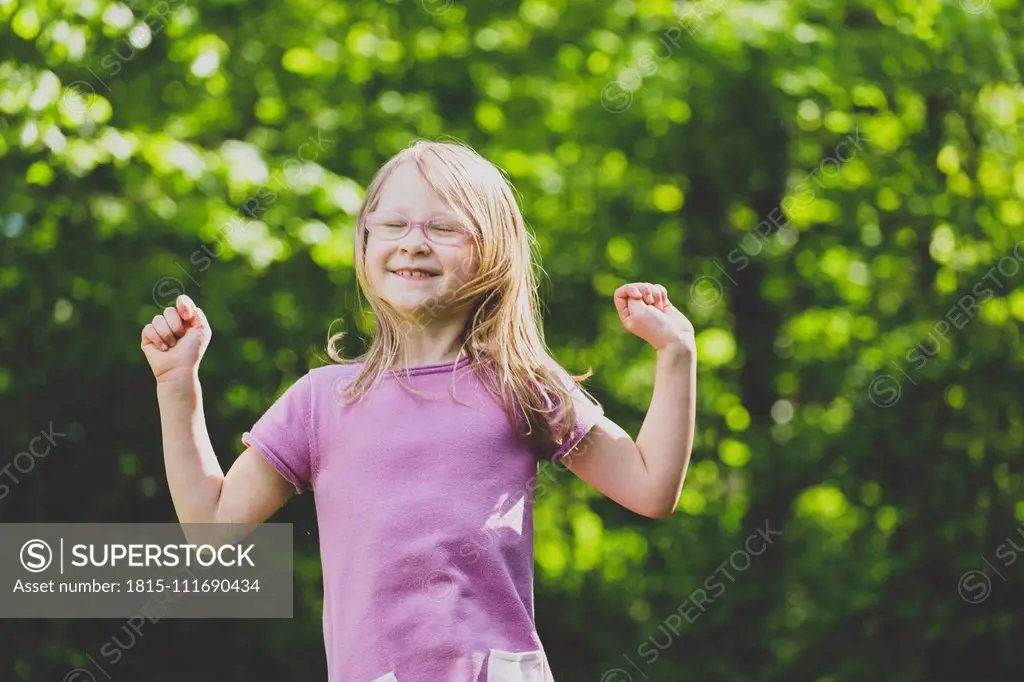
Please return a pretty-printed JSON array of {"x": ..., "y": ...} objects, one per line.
[{"x": 503, "y": 336}]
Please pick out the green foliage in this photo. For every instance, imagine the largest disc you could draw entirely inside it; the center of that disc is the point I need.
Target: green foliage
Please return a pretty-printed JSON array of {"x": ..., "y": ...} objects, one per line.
[{"x": 832, "y": 191}]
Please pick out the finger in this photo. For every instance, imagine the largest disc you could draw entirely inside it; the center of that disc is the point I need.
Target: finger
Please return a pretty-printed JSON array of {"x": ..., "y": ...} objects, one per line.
[
  {"x": 626, "y": 290},
  {"x": 151, "y": 338},
  {"x": 191, "y": 314},
  {"x": 199, "y": 318},
  {"x": 164, "y": 330},
  {"x": 648, "y": 293},
  {"x": 185, "y": 307},
  {"x": 622, "y": 298},
  {"x": 174, "y": 322},
  {"x": 664, "y": 295}
]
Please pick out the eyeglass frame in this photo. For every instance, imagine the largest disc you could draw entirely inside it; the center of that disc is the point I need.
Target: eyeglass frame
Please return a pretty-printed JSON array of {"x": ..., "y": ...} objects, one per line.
[{"x": 419, "y": 224}]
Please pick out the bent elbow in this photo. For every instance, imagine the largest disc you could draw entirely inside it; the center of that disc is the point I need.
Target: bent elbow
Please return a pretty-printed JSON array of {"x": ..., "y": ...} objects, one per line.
[
  {"x": 662, "y": 508},
  {"x": 661, "y": 513}
]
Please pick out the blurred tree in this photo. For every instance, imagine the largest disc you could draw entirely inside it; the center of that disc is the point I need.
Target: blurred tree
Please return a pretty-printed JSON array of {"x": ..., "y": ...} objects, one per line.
[{"x": 832, "y": 191}]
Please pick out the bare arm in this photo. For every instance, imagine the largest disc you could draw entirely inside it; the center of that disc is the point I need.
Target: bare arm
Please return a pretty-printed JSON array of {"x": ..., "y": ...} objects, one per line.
[
  {"x": 250, "y": 493},
  {"x": 253, "y": 490},
  {"x": 647, "y": 476}
]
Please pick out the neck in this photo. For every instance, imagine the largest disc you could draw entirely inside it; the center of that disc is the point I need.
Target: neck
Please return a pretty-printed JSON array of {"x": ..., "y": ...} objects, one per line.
[{"x": 429, "y": 343}]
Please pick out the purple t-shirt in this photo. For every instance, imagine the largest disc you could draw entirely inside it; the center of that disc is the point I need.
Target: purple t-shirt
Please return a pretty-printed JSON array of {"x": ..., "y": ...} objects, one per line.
[{"x": 425, "y": 511}]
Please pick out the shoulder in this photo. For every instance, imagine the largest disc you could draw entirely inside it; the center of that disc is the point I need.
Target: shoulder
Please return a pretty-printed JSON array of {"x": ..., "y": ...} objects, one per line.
[{"x": 330, "y": 379}]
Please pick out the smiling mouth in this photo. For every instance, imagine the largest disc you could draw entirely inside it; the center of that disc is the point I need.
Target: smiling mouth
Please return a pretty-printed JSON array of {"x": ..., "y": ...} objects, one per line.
[{"x": 414, "y": 274}]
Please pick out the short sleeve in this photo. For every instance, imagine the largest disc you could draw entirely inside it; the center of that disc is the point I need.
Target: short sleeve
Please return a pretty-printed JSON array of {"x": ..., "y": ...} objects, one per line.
[
  {"x": 282, "y": 435},
  {"x": 587, "y": 414}
]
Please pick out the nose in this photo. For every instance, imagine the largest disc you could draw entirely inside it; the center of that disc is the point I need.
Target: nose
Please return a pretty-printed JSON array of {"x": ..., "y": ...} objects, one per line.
[{"x": 415, "y": 240}]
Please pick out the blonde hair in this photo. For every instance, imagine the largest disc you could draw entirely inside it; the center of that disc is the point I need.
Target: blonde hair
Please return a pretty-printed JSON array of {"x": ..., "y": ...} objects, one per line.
[{"x": 503, "y": 336}]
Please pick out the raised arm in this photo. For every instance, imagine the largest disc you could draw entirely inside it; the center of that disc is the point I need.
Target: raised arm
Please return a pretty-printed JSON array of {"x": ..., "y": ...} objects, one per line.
[
  {"x": 646, "y": 476},
  {"x": 253, "y": 490}
]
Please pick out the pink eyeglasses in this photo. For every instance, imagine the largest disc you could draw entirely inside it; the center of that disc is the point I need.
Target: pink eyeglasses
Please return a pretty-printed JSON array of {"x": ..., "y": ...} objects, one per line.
[{"x": 441, "y": 230}]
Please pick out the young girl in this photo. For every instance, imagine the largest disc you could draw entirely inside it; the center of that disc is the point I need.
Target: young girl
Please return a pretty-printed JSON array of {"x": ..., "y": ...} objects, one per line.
[{"x": 423, "y": 453}]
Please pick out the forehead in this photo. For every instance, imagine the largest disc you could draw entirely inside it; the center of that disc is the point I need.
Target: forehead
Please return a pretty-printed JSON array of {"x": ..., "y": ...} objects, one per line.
[{"x": 407, "y": 191}]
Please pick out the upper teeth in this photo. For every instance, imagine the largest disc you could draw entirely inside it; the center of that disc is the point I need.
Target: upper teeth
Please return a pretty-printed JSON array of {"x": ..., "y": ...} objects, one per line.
[{"x": 415, "y": 273}]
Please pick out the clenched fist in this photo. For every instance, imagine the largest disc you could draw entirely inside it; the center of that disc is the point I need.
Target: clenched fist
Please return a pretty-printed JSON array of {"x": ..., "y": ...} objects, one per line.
[
  {"x": 175, "y": 341},
  {"x": 645, "y": 310}
]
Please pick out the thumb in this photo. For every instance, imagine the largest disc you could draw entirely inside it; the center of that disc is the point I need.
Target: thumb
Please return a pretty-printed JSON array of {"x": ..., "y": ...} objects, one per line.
[
  {"x": 190, "y": 313},
  {"x": 636, "y": 306},
  {"x": 631, "y": 314}
]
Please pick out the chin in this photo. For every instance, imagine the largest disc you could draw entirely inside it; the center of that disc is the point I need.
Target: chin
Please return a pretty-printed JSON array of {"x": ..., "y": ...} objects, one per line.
[{"x": 408, "y": 302}]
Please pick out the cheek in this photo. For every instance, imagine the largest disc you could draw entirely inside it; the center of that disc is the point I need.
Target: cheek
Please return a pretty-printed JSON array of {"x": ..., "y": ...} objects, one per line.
[
  {"x": 465, "y": 264},
  {"x": 376, "y": 257},
  {"x": 374, "y": 261}
]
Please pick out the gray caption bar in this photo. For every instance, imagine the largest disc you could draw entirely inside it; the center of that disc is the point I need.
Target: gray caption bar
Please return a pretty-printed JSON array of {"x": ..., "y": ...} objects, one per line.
[{"x": 153, "y": 570}]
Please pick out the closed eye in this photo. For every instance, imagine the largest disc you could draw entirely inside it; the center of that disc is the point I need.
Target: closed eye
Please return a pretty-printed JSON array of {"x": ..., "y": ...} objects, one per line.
[{"x": 444, "y": 228}]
